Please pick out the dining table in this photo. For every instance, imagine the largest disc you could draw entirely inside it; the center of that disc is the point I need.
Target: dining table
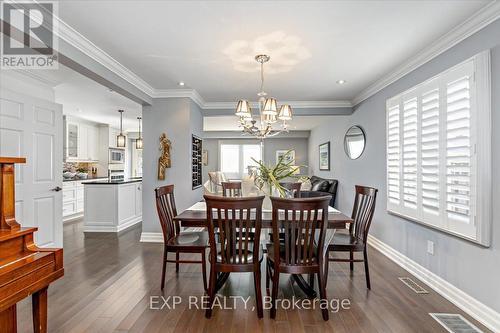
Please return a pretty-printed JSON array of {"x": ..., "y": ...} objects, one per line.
[{"x": 196, "y": 217}]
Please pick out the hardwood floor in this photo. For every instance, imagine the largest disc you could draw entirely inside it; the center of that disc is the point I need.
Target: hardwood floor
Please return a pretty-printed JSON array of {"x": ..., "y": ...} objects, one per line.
[{"x": 109, "y": 280}]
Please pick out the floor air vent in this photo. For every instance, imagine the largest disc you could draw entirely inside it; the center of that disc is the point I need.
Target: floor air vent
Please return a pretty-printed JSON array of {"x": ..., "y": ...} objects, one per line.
[
  {"x": 413, "y": 285},
  {"x": 455, "y": 323}
]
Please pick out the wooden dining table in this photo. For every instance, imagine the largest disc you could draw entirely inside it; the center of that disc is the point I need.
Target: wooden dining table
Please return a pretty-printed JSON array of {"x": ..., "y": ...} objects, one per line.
[{"x": 196, "y": 216}]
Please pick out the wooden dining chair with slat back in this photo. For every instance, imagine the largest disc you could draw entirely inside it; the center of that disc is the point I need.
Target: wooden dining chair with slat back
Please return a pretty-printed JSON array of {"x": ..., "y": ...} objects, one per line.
[
  {"x": 303, "y": 250},
  {"x": 231, "y": 189},
  {"x": 175, "y": 241},
  {"x": 355, "y": 240},
  {"x": 237, "y": 222},
  {"x": 292, "y": 188}
]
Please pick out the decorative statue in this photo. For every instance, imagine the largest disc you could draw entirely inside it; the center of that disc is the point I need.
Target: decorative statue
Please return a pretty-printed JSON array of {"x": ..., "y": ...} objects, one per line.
[{"x": 164, "y": 160}]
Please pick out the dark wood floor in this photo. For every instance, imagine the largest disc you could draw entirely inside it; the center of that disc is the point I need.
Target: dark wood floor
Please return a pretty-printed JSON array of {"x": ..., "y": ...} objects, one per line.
[{"x": 109, "y": 280}]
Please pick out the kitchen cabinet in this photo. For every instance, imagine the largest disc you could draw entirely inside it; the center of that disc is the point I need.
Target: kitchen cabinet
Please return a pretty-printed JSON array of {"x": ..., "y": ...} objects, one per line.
[
  {"x": 81, "y": 140},
  {"x": 73, "y": 197}
]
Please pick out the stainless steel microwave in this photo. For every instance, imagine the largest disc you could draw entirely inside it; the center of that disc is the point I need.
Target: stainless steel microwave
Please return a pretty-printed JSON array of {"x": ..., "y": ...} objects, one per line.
[{"x": 116, "y": 155}]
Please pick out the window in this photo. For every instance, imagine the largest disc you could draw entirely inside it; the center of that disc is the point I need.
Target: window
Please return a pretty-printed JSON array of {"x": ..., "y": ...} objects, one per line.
[
  {"x": 236, "y": 159},
  {"x": 439, "y": 151}
]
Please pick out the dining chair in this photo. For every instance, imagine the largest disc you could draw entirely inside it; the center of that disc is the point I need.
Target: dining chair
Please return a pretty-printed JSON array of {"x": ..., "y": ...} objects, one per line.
[
  {"x": 303, "y": 250},
  {"x": 231, "y": 189},
  {"x": 355, "y": 240},
  {"x": 237, "y": 222},
  {"x": 176, "y": 241},
  {"x": 293, "y": 188}
]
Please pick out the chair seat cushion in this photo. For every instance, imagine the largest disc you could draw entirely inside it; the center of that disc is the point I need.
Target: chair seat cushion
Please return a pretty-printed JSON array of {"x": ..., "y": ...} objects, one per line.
[
  {"x": 237, "y": 260},
  {"x": 344, "y": 242},
  {"x": 189, "y": 239}
]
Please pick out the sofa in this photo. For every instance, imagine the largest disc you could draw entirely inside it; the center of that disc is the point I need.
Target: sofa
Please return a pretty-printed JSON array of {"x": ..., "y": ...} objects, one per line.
[{"x": 319, "y": 184}]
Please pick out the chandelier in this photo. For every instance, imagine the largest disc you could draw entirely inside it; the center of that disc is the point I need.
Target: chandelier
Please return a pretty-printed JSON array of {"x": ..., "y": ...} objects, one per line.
[{"x": 262, "y": 125}]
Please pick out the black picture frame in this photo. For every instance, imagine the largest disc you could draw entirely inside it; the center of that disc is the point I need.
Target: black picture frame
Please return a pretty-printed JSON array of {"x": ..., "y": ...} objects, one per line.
[{"x": 324, "y": 162}]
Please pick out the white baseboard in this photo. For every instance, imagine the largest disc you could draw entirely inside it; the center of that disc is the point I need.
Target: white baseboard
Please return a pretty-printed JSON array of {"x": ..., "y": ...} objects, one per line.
[
  {"x": 477, "y": 310},
  {"x": 108, "y": 227},
  {"x": 151, "y": 237}
]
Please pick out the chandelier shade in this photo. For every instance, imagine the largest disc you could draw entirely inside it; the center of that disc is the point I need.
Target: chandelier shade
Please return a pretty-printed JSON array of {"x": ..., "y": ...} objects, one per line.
[
  {"x": 270, "y": 107},
  {"x": 285, "y": 112},
  {"x": 243, "y": 109}
]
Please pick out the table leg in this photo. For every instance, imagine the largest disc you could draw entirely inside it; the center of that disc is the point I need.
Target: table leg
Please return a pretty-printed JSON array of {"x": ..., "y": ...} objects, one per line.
[
  {"x": 221, "y": 279},
  {"x": 39, "y": 302},
  {"x": 306, "y": 288},
  {"x": 8, "y": 320}
]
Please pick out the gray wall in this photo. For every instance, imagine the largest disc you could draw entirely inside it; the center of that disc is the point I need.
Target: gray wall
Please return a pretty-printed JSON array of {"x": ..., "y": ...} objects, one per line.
[
  {"x": 178, "y": 118},
  {"x": 300, "y": 145},
  {"x": 471, "y": 268}
]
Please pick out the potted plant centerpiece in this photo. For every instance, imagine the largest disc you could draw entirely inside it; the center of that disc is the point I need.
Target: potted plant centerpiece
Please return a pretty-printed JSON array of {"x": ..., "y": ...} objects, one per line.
[{"x": 268, "y": 177}]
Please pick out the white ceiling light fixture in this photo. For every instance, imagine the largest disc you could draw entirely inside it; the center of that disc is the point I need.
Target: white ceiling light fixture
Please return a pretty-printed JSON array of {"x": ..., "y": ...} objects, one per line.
[
  {"x": 341, "y": 81},
  {"x": 181, "y": 83},
  {"x": 120, "y": 138},
  {"x": 139, "y": 143},
  {"x": 269, "y": 113}
]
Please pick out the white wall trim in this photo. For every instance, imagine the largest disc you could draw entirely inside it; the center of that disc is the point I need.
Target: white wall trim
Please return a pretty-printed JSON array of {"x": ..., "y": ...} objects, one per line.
[
  {"x": 476, "y": 22},
  {"x": 293, "y": 104},
  {"x": 482, "y": 313},
  {"x": 151, "y": 237}
]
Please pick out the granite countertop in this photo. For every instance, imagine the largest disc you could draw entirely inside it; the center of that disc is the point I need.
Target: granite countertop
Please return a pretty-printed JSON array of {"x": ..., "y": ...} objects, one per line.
[
  {"x": 82, "y": 180},
  {"x": 114, "y": 182}
]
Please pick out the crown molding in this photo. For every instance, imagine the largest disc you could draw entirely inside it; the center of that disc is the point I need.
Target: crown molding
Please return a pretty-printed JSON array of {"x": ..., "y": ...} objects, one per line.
[
  {"x": 476, "y": 22},
  {"x": 473, "y": 24}
]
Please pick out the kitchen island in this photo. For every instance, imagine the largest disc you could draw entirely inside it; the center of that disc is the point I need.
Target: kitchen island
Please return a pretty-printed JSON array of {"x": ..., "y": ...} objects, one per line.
[{"x": 112, "y": 206}]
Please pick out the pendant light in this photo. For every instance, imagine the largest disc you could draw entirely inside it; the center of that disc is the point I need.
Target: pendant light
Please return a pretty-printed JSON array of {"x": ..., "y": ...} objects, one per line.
[
  {"x": 139, "y": 143},
  {"x": 120, "y": 138}
]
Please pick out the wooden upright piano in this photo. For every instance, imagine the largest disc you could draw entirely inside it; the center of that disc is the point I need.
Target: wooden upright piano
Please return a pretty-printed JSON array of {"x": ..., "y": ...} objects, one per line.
[{"x": 25, "y": 269}]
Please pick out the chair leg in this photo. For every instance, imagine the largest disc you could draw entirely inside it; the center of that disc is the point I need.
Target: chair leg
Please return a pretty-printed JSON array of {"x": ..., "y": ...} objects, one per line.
[
  {"x": 311, "y": 280},
  {"x": 325, "y": 279},
  {"x": 274, "y": 295},
  {"x": 258, "y": 293},
  {"x": 322, "y": 293},
  {"x": 204, "y": 270},
  {"x": 177, "y": 262},
  {"x": 211, "y": 292},
  {"x": 164, "y": 268},
  {"x": 351, "y": 257},
  {"x": 367, "y": 271}
]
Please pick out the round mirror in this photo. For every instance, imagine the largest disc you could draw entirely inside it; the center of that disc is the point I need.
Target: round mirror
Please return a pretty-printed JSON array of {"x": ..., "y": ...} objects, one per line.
[{"x": 354, "y": 142}]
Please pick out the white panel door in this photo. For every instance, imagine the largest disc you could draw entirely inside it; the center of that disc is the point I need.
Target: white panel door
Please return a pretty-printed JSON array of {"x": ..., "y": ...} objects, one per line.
[{"x": 32, "y": 128}]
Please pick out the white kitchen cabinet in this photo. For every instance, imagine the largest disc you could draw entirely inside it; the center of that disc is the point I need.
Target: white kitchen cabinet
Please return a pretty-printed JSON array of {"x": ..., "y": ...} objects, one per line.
[
  {"x": 81, "y": 140},
  {"x": 111, "y": 206},
  {"x": 73, "y": 196}
]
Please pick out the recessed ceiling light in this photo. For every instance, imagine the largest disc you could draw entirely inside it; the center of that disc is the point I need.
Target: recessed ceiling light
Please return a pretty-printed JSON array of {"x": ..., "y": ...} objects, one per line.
[
  {"x": 181, "y": 84},
  {"x": 341, "y": 81}
]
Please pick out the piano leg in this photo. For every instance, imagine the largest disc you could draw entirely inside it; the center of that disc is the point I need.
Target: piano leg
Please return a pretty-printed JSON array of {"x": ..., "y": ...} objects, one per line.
[
  {"x": 39, "y": 302},
  {"x": 8, "y": 322}
]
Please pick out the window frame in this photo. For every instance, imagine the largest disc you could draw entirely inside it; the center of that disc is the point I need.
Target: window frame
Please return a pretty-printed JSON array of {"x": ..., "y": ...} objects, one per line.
[
  {"x": 481, "y": 189},
  {"x": 241, "y": 172}
]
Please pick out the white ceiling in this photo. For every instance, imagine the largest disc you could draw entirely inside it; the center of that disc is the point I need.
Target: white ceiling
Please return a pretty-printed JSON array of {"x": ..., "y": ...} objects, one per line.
[
  {"x": 229, "y": 123},
  {"x": 84, "y": 98},
  {"x": 210, "y": 45}
]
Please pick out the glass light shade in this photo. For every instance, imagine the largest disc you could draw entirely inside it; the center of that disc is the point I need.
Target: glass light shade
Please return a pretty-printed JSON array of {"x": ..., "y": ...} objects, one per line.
[
  {"x": 243, "y": 109},
  {"x": 270, "y": 118},
  {"x": 139, "y": 143},
  {"x": 285, "y": 112},
  {"x": 270, "y": 107},
  {"x": 120, "y": 140}
]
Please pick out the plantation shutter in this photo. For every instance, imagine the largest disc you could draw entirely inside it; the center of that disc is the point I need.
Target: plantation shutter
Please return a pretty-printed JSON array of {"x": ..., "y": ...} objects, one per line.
[
  {"x": 459, "y": 154},
  {"x": 430, "y": 147},
  {"x": 393, "y": 155},
  {"x": 438, "y": 137},
  {"x": 410, "y": 146}
]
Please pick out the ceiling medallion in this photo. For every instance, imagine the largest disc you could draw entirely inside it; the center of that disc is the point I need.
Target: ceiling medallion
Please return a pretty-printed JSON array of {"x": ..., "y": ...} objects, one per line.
[{"x": 261, "y": 126}]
